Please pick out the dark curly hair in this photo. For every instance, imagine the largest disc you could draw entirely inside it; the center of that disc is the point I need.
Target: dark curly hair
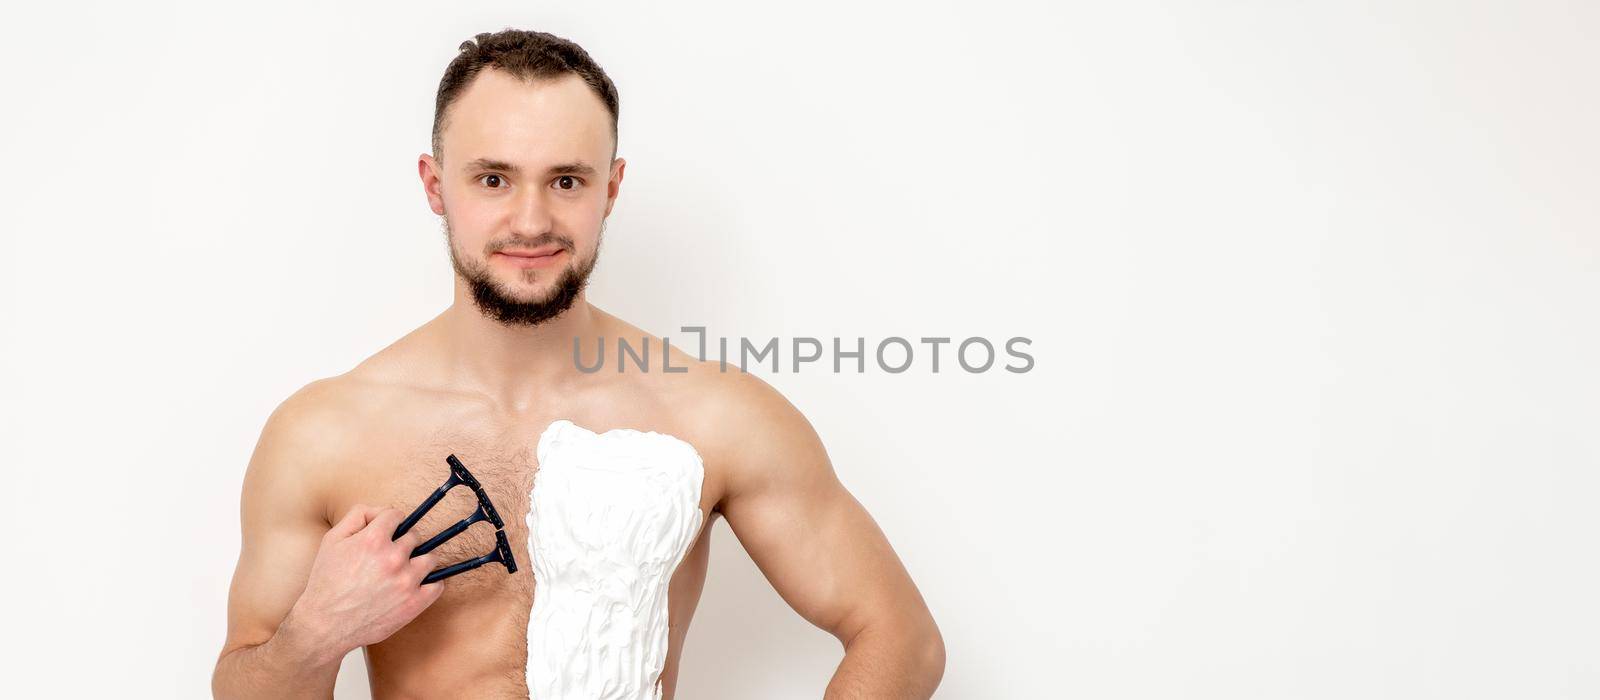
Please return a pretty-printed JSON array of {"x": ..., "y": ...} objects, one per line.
[{"x": 527, "y": 55}]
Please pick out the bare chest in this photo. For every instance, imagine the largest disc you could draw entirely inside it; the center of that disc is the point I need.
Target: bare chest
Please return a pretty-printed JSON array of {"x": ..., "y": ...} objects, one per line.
[{"x": 479, "y": 630}]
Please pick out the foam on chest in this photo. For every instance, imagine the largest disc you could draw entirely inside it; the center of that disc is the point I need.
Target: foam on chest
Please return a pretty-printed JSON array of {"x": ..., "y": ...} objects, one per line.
[{"x": 610, "y": 517}]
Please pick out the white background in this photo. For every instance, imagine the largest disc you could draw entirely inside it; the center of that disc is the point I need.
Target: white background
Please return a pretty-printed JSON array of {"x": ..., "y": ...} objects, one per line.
[{"x": 1311, "y": 287}]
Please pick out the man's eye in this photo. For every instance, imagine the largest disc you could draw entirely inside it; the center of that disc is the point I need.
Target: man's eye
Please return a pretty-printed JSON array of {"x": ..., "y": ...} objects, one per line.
[
  {"x": 567, "y": 182},
  {"x": 492, "y": 180}
]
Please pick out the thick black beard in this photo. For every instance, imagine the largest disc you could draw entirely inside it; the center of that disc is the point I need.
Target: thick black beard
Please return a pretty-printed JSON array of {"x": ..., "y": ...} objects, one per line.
[{"x": 494, "y": 303}]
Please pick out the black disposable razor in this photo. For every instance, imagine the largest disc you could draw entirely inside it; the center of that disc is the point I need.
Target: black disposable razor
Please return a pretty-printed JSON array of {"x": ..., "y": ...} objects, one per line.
[
  {"x": 501, "y": 553},
  {"x": 485, "y": 511},
  {"x": 458, "y": 475}
]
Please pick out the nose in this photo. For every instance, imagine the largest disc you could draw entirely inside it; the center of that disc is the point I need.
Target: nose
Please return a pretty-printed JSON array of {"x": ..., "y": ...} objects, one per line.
[{"x": 530, "y": 216}]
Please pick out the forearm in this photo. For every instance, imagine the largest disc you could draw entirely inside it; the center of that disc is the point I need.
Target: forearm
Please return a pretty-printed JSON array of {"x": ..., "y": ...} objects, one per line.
[
  {"x": 293, "y": 663},
  {"x": 888, "y": 663}
]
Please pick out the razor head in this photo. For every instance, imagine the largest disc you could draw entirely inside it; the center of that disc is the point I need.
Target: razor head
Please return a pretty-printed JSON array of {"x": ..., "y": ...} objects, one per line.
[
  {"x": 502, "y": 550},
  {"x": 489, "y": 511},
  {"x": 459, "y": 471},
  {"x": 461, "y": 474}
]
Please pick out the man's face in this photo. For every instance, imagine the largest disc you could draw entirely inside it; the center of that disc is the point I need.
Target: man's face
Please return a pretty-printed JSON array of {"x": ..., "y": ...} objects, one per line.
[{"x": 525, "y": 183}]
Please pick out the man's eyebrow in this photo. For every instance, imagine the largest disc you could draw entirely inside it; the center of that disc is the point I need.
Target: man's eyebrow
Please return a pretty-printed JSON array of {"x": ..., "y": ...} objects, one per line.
[
  {"x": 492, "y": 164},
  {"x": 576, "y": 167}
]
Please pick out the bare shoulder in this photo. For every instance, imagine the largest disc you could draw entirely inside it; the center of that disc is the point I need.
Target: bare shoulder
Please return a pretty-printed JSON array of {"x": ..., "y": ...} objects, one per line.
[
  {"x": 756, "y": 436},
  {"x": 712, "y": 396},
  {"x": 744, "y": 407},
  {"x": 329, "y": 417},
  {"x": 303, "y": 440},
  {"x": 312, "y": 414},
  {"x": 721, "y": 402},
  {"x": 746, "y": 431}
]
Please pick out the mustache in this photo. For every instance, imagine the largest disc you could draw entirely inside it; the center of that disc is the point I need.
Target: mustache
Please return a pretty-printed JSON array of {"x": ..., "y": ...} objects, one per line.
[{"x": 543, "y": 239}]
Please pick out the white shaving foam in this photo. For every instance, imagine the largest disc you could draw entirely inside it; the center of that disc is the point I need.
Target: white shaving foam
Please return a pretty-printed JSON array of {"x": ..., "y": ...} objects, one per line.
[{"x": 611, "y": 517}]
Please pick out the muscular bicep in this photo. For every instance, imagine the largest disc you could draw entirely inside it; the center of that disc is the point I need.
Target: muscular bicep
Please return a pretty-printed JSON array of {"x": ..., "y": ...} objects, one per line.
[
  {"x": 816, "y": 544},
  {"x": 282, "y": 522}
]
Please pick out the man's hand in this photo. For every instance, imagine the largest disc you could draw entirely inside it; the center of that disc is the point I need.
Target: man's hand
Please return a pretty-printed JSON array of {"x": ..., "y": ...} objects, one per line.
[{"x": 363, "y": 587}]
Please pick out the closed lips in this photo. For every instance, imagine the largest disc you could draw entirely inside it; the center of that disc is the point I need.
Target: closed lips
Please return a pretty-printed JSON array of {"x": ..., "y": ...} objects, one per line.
[{"x": 535, "y": 253}]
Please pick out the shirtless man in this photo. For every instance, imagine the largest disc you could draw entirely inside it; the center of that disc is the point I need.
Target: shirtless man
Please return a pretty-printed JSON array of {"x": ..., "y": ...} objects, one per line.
[{"x": 524, "y": 128}]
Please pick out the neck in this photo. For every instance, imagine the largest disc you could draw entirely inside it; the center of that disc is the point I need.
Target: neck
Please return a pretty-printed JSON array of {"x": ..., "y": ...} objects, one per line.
[{"x": 512, "y": 365}]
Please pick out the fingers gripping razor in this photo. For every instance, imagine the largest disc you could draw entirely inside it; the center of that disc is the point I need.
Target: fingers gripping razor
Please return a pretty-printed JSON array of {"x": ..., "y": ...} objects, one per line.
[{"x": 485, "y": 512}]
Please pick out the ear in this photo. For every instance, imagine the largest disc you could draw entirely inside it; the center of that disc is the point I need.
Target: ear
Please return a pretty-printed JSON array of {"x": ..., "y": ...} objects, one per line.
[
  {"x": 615, "y": 185},
  {"x": 428, "y": 169}
]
